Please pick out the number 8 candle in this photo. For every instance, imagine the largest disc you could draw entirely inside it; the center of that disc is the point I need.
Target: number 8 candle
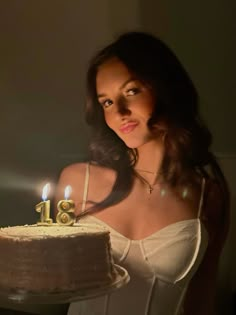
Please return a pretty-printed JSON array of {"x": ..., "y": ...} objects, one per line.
[{"x": 66, "y": 208}]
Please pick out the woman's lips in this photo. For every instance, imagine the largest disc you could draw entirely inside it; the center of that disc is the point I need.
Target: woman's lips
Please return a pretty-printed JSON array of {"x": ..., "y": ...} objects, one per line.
[{"x": 128, "y": 127}]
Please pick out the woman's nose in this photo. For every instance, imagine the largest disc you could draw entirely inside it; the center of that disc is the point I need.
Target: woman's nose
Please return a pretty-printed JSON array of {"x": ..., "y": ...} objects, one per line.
[{"x": 122, "y": 106}]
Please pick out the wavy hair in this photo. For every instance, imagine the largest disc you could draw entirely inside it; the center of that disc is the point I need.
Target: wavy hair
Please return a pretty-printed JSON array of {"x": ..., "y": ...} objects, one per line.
[{"x": 187, "y": 138}]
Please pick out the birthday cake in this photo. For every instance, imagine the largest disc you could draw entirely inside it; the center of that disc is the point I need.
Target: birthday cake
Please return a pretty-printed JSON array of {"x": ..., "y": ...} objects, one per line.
[{"x": 55, "y": 258}]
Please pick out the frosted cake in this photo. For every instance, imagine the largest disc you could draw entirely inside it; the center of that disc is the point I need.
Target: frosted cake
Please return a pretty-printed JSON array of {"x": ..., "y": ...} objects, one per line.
[{"x": 55, "y": 258}]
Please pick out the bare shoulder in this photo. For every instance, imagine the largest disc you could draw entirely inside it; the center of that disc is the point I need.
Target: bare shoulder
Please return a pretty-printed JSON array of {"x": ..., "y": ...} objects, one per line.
[
  {"x": 74, "y": 175},
  {"x": 101, "y": 181}
]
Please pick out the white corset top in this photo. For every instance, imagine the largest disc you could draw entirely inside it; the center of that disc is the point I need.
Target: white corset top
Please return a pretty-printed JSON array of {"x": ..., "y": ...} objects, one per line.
[
  {"x": 160, "y": 268},
  {"x": 170, "y": 253}
]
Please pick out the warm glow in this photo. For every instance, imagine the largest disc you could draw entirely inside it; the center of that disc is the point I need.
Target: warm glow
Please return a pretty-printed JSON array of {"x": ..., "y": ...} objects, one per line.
[
  {"x": 45, "y": 193},
  {"x": 67, "y": 192}
]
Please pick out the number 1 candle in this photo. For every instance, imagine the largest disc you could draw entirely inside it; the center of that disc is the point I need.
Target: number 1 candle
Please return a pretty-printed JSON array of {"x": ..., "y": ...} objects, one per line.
[{"x": 44, "y": 207}]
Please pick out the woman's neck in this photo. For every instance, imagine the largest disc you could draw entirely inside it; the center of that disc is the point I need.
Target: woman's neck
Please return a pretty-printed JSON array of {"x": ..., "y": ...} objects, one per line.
[{"x": 150, "y": 157}]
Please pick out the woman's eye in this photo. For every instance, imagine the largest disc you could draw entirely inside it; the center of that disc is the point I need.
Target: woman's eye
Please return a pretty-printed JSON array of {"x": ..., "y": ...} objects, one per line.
[
  {"x": 106, "y": 103},
  {"x": 132, "y": 91}
]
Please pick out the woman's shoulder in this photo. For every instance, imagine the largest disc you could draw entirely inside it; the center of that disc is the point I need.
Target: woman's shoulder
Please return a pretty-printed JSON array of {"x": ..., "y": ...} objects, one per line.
[
  {"x": 75, "y": 167},
  {"x": 99, "y": 181},
  {"x": 82, "y": 167},
  {"x": 74, "y": 174}
]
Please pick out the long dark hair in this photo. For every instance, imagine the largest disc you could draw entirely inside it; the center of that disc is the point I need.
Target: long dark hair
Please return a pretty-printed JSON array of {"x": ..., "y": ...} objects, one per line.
[{"x": 187, "y": 140}]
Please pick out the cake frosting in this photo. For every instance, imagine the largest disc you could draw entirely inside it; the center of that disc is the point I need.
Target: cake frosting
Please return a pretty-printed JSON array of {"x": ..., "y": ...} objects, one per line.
[{"x": 55, "y": 258}]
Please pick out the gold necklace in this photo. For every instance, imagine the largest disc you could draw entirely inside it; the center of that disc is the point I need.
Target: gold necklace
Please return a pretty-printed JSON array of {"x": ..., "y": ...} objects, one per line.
[{"x": 150, "y": 187}]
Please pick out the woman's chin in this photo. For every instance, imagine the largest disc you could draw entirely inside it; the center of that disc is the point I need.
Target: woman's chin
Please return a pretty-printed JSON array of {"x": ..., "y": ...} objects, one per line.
[{"x": 134, "y": 144}]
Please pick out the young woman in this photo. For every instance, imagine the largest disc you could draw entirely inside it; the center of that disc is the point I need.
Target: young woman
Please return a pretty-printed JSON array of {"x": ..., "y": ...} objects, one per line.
[{"x": 152, "y": 180}]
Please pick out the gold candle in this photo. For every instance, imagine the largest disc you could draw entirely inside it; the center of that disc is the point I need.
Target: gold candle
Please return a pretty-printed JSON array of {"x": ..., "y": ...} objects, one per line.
[
  {"x": 66, "y": 209},
  {"x": 44, "y": 207}
]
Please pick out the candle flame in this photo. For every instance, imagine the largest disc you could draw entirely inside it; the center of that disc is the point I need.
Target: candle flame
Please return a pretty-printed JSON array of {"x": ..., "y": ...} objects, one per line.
[
  {"x": 67, "y": 191},
  {"x": 45, "y": 193}
]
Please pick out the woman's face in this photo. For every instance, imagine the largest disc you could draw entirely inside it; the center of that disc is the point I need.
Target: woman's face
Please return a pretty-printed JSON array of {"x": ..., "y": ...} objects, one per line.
[{"x": 127, "y": 103}]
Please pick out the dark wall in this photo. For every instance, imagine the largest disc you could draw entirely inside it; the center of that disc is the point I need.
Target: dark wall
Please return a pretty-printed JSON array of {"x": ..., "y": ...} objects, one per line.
[
  {"x": 45, "y": 48},
  {"x": 202, "y": 34}
]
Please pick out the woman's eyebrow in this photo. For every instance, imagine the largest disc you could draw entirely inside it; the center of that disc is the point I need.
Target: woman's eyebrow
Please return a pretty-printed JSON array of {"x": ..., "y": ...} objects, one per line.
[
  {"x": 121, "y": 87},
  {"x": 127, "y": 81}
]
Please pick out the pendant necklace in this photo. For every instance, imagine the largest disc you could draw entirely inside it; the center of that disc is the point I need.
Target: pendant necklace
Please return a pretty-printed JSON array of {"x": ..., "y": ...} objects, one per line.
[{"x": 149, "y": 186}]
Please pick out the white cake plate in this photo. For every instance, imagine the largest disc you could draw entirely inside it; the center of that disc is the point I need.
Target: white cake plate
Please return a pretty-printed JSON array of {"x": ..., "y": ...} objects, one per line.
[{"x": 25, "y": 297}]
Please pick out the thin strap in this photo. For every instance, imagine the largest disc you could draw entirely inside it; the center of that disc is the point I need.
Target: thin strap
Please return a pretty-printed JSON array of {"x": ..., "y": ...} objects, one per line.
[
  {"x": 86, "y": 184},
  {"x": 201, "y": 197}
]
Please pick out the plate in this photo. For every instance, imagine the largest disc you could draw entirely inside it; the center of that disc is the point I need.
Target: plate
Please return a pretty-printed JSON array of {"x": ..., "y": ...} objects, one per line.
[{"x": 25, "y": 297}]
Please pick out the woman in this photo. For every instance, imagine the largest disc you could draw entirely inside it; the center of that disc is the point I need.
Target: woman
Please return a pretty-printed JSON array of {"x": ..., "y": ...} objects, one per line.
[{"x": 152, "y": 181}]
